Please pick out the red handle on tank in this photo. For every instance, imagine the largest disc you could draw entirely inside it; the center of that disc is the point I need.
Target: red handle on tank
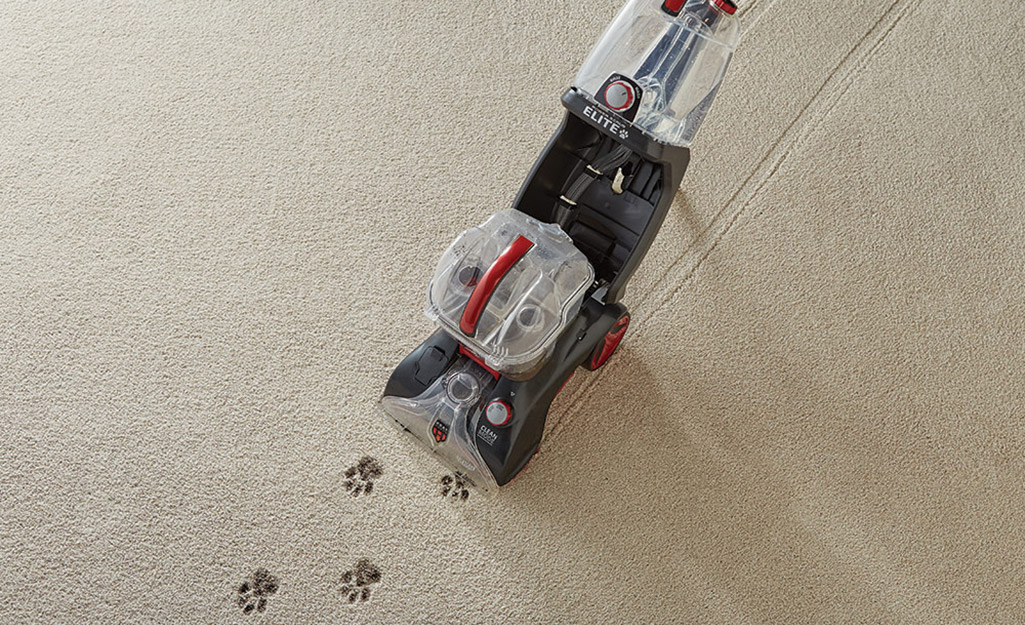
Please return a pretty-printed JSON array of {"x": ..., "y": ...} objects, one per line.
[
  {"x": 727, "y": 6},
  {"x": 489, "y": 282},
  {"x": 673, "y": 7}
]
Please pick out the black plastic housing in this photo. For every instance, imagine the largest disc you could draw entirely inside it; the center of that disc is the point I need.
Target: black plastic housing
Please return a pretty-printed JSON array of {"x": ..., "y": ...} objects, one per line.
[{"x": 613, "y": 229}]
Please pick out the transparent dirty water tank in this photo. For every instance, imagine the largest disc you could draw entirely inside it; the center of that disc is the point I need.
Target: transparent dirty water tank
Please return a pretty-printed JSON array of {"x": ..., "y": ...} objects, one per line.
[
  {"x": 677, "y": 60},
  {"x": 527, "y": 308}
]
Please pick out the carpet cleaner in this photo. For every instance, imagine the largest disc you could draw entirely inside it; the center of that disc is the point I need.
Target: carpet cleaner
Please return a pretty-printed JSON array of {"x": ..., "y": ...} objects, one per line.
[{"x": 535, "y": 291}]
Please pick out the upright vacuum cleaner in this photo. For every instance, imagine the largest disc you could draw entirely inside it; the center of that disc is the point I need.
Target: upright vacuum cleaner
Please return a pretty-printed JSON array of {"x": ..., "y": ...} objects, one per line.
[{"x": 534, "y": 292}]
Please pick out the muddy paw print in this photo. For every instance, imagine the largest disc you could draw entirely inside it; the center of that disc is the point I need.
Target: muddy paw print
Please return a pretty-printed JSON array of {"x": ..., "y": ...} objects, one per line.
[
  {"x": 455, "y": 487},
  {"x": 357, "y": 582},
  {"x": 253, "y": 593},
  {"x": 359, "y": 479}
]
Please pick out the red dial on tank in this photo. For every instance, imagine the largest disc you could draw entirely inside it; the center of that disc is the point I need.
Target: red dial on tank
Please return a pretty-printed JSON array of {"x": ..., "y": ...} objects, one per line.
[{"x": 620, "y": 96}]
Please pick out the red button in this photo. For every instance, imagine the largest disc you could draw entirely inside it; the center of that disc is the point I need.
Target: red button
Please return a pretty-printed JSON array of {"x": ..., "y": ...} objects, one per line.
[
  {"x": 498, "y": 413},
  {"x": 619, "y": 96}
]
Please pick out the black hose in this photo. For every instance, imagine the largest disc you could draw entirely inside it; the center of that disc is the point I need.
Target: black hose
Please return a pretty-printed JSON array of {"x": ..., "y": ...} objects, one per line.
[{"x": 568, "y": 202}]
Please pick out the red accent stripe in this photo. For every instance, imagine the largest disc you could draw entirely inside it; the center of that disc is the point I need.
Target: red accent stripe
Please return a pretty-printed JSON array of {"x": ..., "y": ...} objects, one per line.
[
  {"x": 489, "y": 282},
  {"x": 612, "y": 340},
  {"x": 480, "y": 361}
]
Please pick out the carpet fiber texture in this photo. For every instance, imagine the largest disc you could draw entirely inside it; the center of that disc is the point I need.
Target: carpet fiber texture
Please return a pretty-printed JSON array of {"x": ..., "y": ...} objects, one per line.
[{"x": 217, "y": 223}]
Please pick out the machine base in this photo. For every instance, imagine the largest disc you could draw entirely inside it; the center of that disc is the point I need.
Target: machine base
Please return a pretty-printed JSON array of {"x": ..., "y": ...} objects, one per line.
[{"x": 482, "y": 425}]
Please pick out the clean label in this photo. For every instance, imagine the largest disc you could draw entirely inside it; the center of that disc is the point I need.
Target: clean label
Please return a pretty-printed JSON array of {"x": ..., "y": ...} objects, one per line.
[{"x": 487, "y": 435}]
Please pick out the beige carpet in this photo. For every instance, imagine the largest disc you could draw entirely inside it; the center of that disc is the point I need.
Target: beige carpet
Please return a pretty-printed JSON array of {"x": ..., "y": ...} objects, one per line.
[{"x": 217, "y": 222}]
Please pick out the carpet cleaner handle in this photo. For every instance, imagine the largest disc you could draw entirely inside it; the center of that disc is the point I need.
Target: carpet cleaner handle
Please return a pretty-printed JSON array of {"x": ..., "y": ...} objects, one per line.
[{"x": 660, "y": 64}]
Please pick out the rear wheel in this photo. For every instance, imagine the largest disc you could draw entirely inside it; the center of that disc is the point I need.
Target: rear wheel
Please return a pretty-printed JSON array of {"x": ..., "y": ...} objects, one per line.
[{"x": 604, "y": 350}]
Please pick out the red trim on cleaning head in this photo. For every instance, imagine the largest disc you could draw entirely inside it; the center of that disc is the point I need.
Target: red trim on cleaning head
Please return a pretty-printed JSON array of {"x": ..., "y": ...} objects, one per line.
[
  {"x": 480, "y": 361},
  {"x": 489, "y": 282},
  {"x": 727, "y": 6}
]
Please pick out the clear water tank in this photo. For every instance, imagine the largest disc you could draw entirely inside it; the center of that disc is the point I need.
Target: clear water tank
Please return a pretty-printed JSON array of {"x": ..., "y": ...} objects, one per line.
[{"x": 675, "y": 51}]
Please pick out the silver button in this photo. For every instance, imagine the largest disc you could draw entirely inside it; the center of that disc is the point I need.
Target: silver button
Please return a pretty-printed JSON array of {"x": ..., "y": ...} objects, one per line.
[
  {"x": 497, "y": 413},
  {"x": 619, "y": 96}
]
